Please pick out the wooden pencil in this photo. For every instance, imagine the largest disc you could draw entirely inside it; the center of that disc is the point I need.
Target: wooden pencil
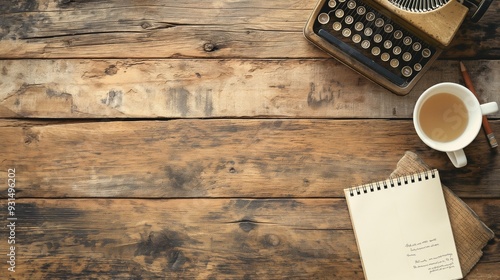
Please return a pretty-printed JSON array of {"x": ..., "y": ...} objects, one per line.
[{"x": 492, "y": 141}]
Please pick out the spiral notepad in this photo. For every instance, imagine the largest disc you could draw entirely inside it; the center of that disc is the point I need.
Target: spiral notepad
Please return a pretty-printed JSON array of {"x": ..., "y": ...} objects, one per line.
[{"x": 402, "y": 228}]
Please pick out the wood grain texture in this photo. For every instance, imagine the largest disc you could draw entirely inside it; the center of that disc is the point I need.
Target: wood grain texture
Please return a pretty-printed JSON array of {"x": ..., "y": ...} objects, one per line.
[
  {"x": 199, "y": 239},
  {"x": 222, "y": 29},
  {"x": 139, "y": 136},
  {"x": 225, "y": 158},
  {"x": 178, "y": 88}
]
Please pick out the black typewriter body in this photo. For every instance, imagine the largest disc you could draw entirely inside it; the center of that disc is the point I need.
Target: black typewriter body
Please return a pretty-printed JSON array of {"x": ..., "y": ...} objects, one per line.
[{"x": 380, "y": 44}]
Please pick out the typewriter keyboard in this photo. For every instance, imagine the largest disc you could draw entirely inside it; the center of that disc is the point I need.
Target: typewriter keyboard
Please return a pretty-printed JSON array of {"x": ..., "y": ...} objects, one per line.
[{"x": 373, "y": 39}]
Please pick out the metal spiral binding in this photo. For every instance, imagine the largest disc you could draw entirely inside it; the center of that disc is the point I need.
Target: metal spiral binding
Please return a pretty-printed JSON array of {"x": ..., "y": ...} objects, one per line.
[
  {"x": 419, "y": 6},
  {"x": 392, "y": 182}
]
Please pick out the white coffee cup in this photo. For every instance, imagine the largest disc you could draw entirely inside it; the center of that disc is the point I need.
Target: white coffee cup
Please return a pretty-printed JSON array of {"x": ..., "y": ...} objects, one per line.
[{"x": 446, "y": 125}]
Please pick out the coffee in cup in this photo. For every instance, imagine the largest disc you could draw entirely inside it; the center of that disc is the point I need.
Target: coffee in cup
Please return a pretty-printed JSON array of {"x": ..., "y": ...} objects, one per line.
[{"x": 447, "y": 117}]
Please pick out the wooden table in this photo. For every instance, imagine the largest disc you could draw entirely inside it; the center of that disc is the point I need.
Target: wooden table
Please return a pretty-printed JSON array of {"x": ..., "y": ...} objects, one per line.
[{"x": 207, "y": 140}]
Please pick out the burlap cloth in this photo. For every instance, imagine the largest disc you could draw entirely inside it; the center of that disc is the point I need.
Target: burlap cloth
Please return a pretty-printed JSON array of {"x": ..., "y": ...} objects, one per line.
[{"x": 470, "y": 234}]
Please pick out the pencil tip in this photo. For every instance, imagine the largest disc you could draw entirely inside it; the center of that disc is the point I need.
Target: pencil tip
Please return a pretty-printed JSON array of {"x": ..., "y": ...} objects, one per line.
[{"x": 462, "y": 66}]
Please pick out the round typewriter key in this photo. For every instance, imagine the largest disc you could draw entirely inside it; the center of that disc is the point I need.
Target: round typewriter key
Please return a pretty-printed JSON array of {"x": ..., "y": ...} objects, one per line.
[
  {"x": 361, "y": 10},
  {"x": 323, "y": 18},
  {"x": 396, "y": 50},
  {"x": 337, "y": 26},
  {"x": 376, "y": 51},
  {"x": 387, "y": 44},
  {"x": 358, "y": 26},
  {"x": 385, "y": 56},
  {"x": 388, "y": 28},
  {"x": 349, "y": 19},
  {"x": 342, "y": 1},
  {"x": 426, "y": 53},
  {"x": 370, "y": 16},
  {"x": 394, "y": 63},
  {"x": 351, "y": 5},
  {"x": 407, "y": 56},
  {"x": 368, "y": 31},
  {"x": 398, "y": 34},
  {"x": 406, "y": 71},
  {"x": 377, "y": 38},
  {"x": 379, "y": 22},
  {"x": 417, "y": 67},
  {"x": 346, "y": 32},
  {"x": 332, "y": 4},
  {"x": 417, "y": 46},
  {"x": 407, "y": 40},
  {"x": 356, "y": 38},
  {"x": 339, "y": 13},
  {"x": 365, "y": 44}
]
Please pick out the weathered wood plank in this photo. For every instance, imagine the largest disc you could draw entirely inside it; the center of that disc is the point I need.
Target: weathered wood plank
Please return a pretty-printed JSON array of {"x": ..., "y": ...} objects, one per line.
[
  {"x": 162, "y": 29},
  {"x": 198, "y": 239},
  {"x": 225, "y": 158},
  {"x": 179, "y": 88}
]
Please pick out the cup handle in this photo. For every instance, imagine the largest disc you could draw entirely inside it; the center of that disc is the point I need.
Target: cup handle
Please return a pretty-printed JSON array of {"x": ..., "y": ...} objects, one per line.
[
  {"x": 489, "y": 108},
  {"x": 458, "y": 158}
]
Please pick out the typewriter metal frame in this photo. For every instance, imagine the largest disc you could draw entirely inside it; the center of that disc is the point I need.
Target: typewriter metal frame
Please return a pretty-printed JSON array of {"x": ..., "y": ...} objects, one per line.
[{"x": 448, "y": 18}]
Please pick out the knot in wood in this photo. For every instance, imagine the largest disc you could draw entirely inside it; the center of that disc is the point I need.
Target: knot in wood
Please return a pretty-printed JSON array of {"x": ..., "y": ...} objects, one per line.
[
  {"x": 209, "y": 47},
  {"x": 271, "y": 240},
  {"x": 146, "y": 25},
  {"x": 247, "y": 225}
]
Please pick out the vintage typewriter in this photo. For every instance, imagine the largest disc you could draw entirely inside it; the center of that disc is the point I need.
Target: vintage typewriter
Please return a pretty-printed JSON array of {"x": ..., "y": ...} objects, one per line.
[{"x": 391, "y": 42}]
